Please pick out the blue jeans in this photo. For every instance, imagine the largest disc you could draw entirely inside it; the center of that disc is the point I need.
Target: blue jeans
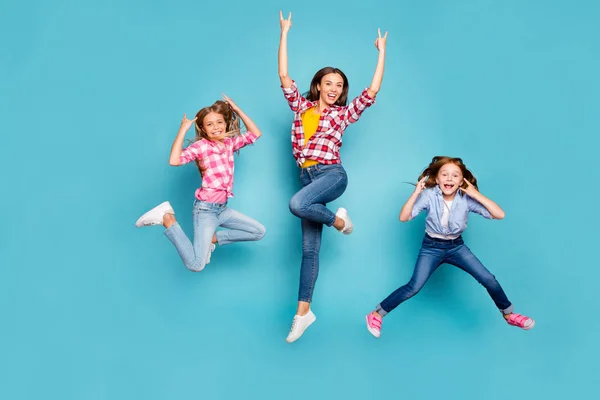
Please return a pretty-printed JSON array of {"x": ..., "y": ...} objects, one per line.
[
  {"x": 435, "y": 252},
  {"x": 321, "y": 185},
  {"x": 207, "y": 217}
]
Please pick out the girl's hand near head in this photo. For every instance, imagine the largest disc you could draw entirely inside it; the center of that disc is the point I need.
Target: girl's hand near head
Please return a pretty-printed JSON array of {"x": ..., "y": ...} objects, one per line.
[
  {"x": 470, "y": 189},
  {"x": 421, "y": 185},
  {"x": 186, "y": 123},
  {"x": 494, "y": 209},
  {"x": 406, "y": 211},
  {"x": 233, "y": 106},
  {"x": 286, "y": 24},
  {"x": 250, "y": 125},
  {"x": 176, "y": 147}
]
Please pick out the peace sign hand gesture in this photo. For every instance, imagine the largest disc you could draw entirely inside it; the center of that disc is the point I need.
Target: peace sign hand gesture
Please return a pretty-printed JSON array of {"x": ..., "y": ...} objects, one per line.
[
  {"x": 380, "y": 41},
  {"x": 286, "y": 24}
]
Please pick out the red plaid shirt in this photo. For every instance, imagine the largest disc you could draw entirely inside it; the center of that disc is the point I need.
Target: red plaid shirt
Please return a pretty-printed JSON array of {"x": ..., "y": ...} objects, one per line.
[
  {"x": 217, "y": 158},
  {"x": 324, "y": 145}
]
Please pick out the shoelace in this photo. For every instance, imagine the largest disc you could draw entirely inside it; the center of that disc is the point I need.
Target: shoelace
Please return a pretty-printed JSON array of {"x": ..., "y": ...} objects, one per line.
[{"x": 294, "y": 324}]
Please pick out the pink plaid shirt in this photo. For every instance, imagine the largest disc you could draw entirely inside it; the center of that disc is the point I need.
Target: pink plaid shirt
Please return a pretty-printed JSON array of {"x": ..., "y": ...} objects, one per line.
[
  {"x": 324, "y": 145},
  {"x": 217, "y": 159}
]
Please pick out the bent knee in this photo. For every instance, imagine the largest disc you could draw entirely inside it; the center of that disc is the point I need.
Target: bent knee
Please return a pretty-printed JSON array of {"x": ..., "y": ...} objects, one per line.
[
  {"x": 298, "y": 206},
  {"x": 260, "y": 232},
  {"x": 196, "y": 266},
  {"x": 295, "y": 206}
]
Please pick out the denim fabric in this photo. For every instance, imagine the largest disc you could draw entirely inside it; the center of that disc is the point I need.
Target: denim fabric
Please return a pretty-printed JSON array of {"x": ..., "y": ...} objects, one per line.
[
  {"x": 321, "y": 184},
  {"x": 435, "y": 252},
  {"x": 207, "y": 217}
]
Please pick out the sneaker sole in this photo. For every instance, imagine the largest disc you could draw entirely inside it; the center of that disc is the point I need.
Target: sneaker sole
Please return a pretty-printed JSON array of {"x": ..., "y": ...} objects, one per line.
[
  {"x": 138, "y": 223},
  {"x": 530, "y": 326},
  {"x": 525, "y": 328}
]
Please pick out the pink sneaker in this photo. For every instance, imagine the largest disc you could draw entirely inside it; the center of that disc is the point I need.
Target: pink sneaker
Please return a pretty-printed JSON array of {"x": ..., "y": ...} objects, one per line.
[
  {"x": 374, "y": 324},
  {"x": 521, "y": 321}
]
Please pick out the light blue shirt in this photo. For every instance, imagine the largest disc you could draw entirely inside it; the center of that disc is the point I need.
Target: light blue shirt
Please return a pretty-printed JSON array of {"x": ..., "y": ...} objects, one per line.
[{"x": 432, "y": 200}]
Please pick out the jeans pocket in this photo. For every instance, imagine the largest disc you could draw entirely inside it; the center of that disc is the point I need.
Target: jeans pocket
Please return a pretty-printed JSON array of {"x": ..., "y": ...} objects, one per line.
[{"x": 201, "y": 206}]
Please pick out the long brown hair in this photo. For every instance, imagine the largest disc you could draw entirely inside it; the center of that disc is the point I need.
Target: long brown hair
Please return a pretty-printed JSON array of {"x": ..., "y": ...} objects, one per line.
[
  {"x": 232, "y": 124},
  {"x": 438, "y": 162},
  {"x": 313, "y": 93}
]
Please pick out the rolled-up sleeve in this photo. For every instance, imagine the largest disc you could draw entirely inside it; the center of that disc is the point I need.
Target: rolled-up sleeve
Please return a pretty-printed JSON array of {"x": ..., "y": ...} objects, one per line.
[
  {"x": 190, "y": 153},
  {"x": 478, "y": 208},
  {"x": 243, "y": 140},
  {"x": 357, "y": 106},
  {"x": 295, "y": 100},
  {"x": 422, "y": 203}
]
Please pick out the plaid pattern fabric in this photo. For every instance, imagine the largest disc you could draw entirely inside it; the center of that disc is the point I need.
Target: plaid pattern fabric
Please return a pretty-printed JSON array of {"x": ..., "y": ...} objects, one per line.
[
  {"x": 324, "y": 145},
  {"x": 217, "y": 159}
]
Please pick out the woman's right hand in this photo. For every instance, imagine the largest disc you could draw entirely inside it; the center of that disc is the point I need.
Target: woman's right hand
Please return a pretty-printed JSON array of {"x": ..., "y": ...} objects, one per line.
[
  {"x": 186, "y": 123},
  {"x": 286, "y": 24}
]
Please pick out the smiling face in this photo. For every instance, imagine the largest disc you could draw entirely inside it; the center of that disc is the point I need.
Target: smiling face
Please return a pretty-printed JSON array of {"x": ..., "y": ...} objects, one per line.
[
  {"x": 217, "y": 122},
  {"x": 330, "y": 88},
  {"x": 214, "y": 126},
  {"x": 449, "y": 179}
]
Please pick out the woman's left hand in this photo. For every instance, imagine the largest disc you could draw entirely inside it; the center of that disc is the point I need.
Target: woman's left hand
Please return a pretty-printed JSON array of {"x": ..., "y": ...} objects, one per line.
[
  {"x": 470, "y": 189},
  {"x": 380, "y": 41}
]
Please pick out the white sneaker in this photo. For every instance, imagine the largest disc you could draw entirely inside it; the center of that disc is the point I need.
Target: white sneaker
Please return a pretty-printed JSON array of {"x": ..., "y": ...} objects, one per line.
[
  {"x": 343, "y": 214},
  {"x": 155, "y": 216},
  {"x": 212, "y": 248},
  {"x": 299, "y": 326}
]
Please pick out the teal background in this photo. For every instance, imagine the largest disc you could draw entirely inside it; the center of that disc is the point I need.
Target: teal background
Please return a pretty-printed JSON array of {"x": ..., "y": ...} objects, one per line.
[{"x": 91, "y": 97}]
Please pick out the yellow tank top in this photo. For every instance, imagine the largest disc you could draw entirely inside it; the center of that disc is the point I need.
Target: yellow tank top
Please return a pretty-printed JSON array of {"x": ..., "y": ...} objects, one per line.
[{"x": 310, "y": 123}]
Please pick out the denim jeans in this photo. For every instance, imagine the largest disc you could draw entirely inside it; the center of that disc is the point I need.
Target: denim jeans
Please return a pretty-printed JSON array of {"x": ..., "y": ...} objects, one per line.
[
  {"x": 321, "y": 185},
  {"x": 207, "y": 217},
  {"x": 435, "y": 252}
]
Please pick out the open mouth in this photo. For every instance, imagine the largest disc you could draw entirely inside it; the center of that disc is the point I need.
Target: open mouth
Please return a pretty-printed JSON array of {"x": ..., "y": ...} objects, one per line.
[
  {"x": 331, "y": 96},
  {"x": 448, "y": 186}
]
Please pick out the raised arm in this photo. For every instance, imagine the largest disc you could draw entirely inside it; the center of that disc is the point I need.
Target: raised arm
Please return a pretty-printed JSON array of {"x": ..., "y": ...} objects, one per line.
[
  {"x": 177, "y": 147},
  {"x": 250, "y": 125},
  {"x": 494, "y": 209},
  {"x": 286, "y": 24},
  {"x": 407, "y": 208},
  {"x": 380, "y": 43}
]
